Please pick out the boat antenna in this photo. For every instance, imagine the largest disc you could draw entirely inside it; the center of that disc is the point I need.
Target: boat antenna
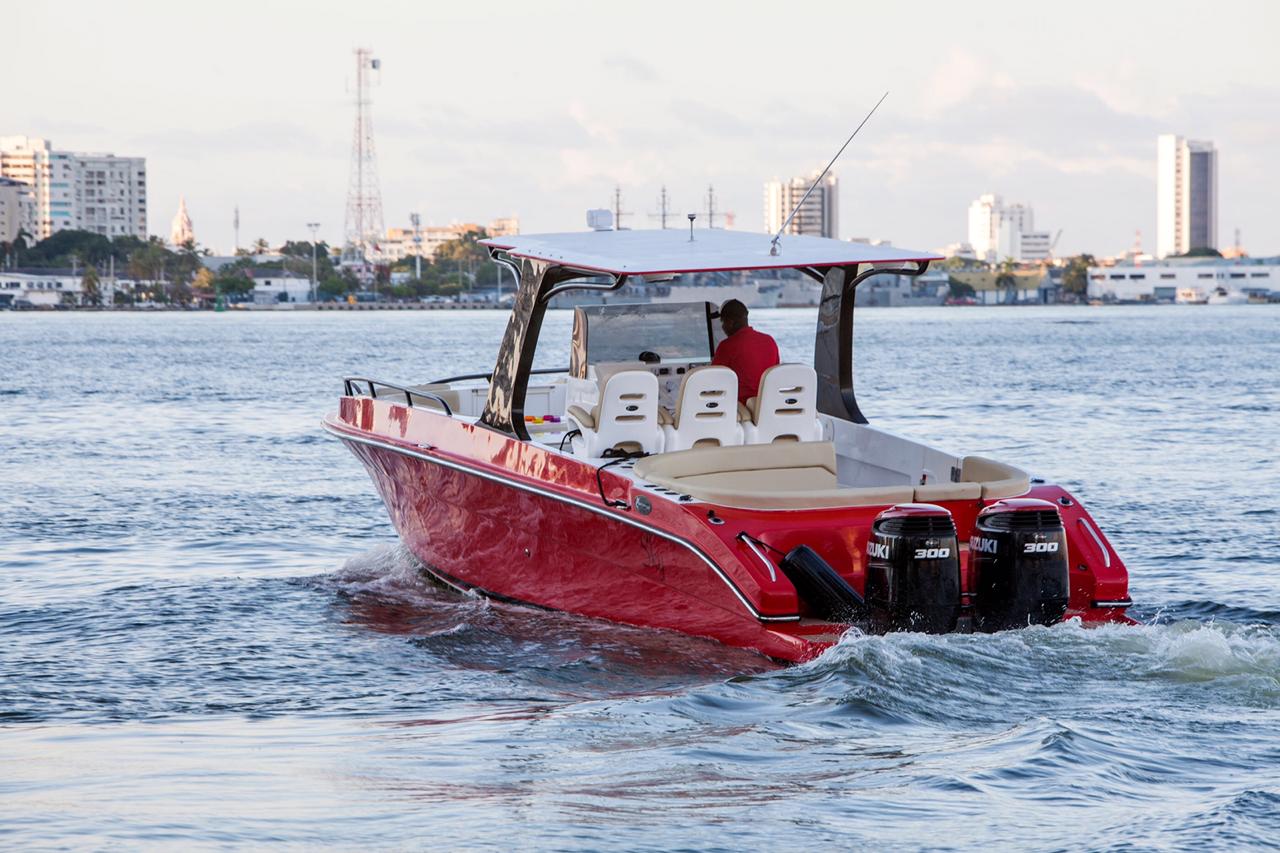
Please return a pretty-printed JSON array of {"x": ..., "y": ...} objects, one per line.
[{"x": 773, "y": 244}]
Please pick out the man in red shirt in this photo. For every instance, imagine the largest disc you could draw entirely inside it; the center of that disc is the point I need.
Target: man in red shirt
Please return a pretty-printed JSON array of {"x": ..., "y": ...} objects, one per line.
[{"x": 745, "y": 351}]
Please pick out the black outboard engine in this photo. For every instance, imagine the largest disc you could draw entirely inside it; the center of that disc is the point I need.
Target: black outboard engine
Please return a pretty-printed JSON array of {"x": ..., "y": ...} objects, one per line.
[
  {"x": 1018, "y": 554},
  {"x": 913, "y": 570}
]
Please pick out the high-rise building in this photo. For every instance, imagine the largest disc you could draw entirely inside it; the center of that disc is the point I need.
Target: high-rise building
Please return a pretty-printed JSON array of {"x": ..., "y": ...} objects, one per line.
[
  {"x": 14, "y": 202},
  {"x": 984, "y": 225},
  {"x": 1186, "y": 195},
  {"x": 819, "y": 216},
  {"x": 101, "y": 193},
  {"x": 111, "y": 195},
  {"x": 998, "y": 231}
]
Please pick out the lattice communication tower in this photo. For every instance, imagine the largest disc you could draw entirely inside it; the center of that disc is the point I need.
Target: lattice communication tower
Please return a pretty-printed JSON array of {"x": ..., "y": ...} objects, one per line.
[{"x": 363, "y": 227}]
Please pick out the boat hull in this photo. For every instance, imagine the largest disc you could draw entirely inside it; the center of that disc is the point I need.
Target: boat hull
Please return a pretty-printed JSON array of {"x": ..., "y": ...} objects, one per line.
[{"x": 515, "y": 521}]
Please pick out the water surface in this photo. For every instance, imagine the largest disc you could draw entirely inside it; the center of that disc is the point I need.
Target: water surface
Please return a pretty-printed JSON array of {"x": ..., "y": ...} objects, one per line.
[{"x": 209, "y": 635}]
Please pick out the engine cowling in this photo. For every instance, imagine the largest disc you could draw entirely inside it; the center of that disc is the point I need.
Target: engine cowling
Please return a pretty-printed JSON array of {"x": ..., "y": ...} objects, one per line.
[
  {"x": 913, "y": 570},
  {"x": 1018, "y": 554}
]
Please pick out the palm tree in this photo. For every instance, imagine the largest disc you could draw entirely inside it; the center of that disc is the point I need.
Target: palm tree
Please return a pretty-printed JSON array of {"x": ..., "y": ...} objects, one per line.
[
  {"x": 1007, "y": 281},
  {"x": 90, "y": 286},
  {"x": 14, "y": 248}
]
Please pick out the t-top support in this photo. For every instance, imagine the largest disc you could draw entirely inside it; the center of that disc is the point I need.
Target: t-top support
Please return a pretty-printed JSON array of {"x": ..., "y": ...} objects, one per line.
[
  {"x": 539, "y": 281},
  {"x": 833, "y": 341}
]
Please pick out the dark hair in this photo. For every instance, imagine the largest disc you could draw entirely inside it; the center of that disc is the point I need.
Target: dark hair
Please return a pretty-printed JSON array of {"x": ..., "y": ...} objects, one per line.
[{"x": 734, "y": 311}]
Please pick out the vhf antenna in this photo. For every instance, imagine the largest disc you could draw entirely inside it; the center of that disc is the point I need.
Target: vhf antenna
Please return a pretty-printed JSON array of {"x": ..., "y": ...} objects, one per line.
[{"x": 773, "y": 244}]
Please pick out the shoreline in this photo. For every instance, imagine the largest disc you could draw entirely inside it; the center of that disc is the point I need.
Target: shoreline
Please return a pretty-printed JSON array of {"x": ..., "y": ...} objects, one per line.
[{"x": 489, "y": 306}]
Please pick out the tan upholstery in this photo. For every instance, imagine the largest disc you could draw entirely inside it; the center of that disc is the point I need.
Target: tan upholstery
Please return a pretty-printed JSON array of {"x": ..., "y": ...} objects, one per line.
[
  {"x": 688, "y": 463},
  {"x": 997, "y": 479},
  {"x": 948, "y": 492},
  {"x": 807, "y": 479},
  {"x": 792, "y": 475},
  {"x": 582, "y": 416}
]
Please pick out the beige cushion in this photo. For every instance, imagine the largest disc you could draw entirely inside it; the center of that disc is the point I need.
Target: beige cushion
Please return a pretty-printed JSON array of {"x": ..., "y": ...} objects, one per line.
[
  {"x": 582, "y": 416},
  {"x": 794, "y": 475},
  {"x": 997, "y": 479},
  {"x": 688, "y": 463},
  {"x": 807, "y": 479},
  {"x": 948, "y": 492}
]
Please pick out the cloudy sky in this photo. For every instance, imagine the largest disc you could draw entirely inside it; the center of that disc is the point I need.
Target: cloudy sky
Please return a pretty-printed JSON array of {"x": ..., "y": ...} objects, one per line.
[{"x": 539, "y": 108}]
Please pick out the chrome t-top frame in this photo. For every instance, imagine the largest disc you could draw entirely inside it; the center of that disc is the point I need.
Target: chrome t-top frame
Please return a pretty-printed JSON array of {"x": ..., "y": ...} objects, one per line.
[{"x": 540, "y": 281}]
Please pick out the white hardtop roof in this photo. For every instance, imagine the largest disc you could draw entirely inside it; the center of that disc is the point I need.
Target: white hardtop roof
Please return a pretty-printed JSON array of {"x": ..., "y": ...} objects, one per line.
[{"x": 654, "y": 251}]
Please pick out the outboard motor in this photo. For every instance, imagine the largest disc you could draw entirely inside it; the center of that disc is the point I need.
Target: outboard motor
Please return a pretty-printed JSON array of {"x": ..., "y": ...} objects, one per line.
[
  {"x": 913, "y": 570},
  {"x": 1018, "y": 554}
]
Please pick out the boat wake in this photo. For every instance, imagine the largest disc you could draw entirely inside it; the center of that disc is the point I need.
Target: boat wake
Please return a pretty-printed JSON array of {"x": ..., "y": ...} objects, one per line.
[
  {"x": 1181, "y": 651},
  {"x": 907, "y": 677},
  {"x": 388, "y": 590},
  {"x": 391, "y": 572}
]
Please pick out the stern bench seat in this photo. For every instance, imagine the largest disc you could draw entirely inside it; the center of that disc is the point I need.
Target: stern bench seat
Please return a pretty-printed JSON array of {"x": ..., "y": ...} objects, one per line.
[
  {"x": 802, "y": 475},
  {"x": 790, "y": 475}
]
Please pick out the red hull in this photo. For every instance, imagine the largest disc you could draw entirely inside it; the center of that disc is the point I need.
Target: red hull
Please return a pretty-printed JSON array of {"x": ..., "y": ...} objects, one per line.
[{"x": 516, "y": 521}]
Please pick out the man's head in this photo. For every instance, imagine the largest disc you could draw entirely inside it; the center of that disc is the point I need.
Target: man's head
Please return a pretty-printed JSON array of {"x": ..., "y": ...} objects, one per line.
[{"x": 733, "y": 316}]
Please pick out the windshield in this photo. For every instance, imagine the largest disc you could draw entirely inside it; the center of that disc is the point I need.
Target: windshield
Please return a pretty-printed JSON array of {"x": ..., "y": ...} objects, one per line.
[{"x": 677, "y": 331}]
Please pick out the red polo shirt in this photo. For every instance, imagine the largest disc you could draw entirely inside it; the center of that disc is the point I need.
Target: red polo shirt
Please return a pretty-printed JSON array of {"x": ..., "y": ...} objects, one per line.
[{"x": 749, "y": 354}]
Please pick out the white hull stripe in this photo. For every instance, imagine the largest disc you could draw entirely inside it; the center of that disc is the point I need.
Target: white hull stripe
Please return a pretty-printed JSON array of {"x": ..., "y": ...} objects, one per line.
[{"x": 598, "y": 510}]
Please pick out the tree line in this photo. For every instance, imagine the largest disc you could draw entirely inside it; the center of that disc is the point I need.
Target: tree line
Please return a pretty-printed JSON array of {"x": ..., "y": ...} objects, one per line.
[{"x": 179, "y": 275}]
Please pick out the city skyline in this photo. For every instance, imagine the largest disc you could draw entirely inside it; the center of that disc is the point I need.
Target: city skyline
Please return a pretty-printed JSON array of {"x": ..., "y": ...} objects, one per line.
[{"x": 470, "y": 125}]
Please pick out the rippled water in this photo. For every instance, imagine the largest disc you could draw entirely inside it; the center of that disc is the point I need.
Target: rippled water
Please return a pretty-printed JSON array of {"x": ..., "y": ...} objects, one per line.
[{"x": 209, "y": 636}]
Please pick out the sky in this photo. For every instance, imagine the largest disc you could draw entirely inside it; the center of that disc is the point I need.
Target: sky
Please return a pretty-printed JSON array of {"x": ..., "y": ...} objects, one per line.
[{"x": 540, "y": 109}]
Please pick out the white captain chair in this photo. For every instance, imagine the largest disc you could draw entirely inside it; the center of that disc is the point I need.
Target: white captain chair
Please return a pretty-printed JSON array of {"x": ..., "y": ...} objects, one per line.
[
  {"x": 625, "y": 418},
  {"x": 706, "y": 411},
  {"x": 786, "y": 407}
]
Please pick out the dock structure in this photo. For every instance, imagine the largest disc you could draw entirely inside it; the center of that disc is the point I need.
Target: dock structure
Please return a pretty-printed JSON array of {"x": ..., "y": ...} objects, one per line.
[{"x": 407, "y": 306}]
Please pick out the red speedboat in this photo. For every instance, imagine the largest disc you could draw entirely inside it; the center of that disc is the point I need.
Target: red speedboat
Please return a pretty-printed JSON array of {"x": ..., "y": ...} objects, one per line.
[{"x": 632, "y": 486}]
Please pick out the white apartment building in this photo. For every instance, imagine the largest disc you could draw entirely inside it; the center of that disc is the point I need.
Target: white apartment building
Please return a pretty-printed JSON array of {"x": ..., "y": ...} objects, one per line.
[
  {"x": 111, "y": 195},
  {"x": 818, "y": 217},
  {"x": 14, "y": 202},
  {"x": 1186, "y": 195},
  {"x": 1030, "y": 246},
  {"x": 998, "y": 231},
  {"x": 984, "y": 225},
  {"x": 1161, "y": 281},
  {"x": 101, "y": 193},
  {"x": 403, "y": 243}
]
